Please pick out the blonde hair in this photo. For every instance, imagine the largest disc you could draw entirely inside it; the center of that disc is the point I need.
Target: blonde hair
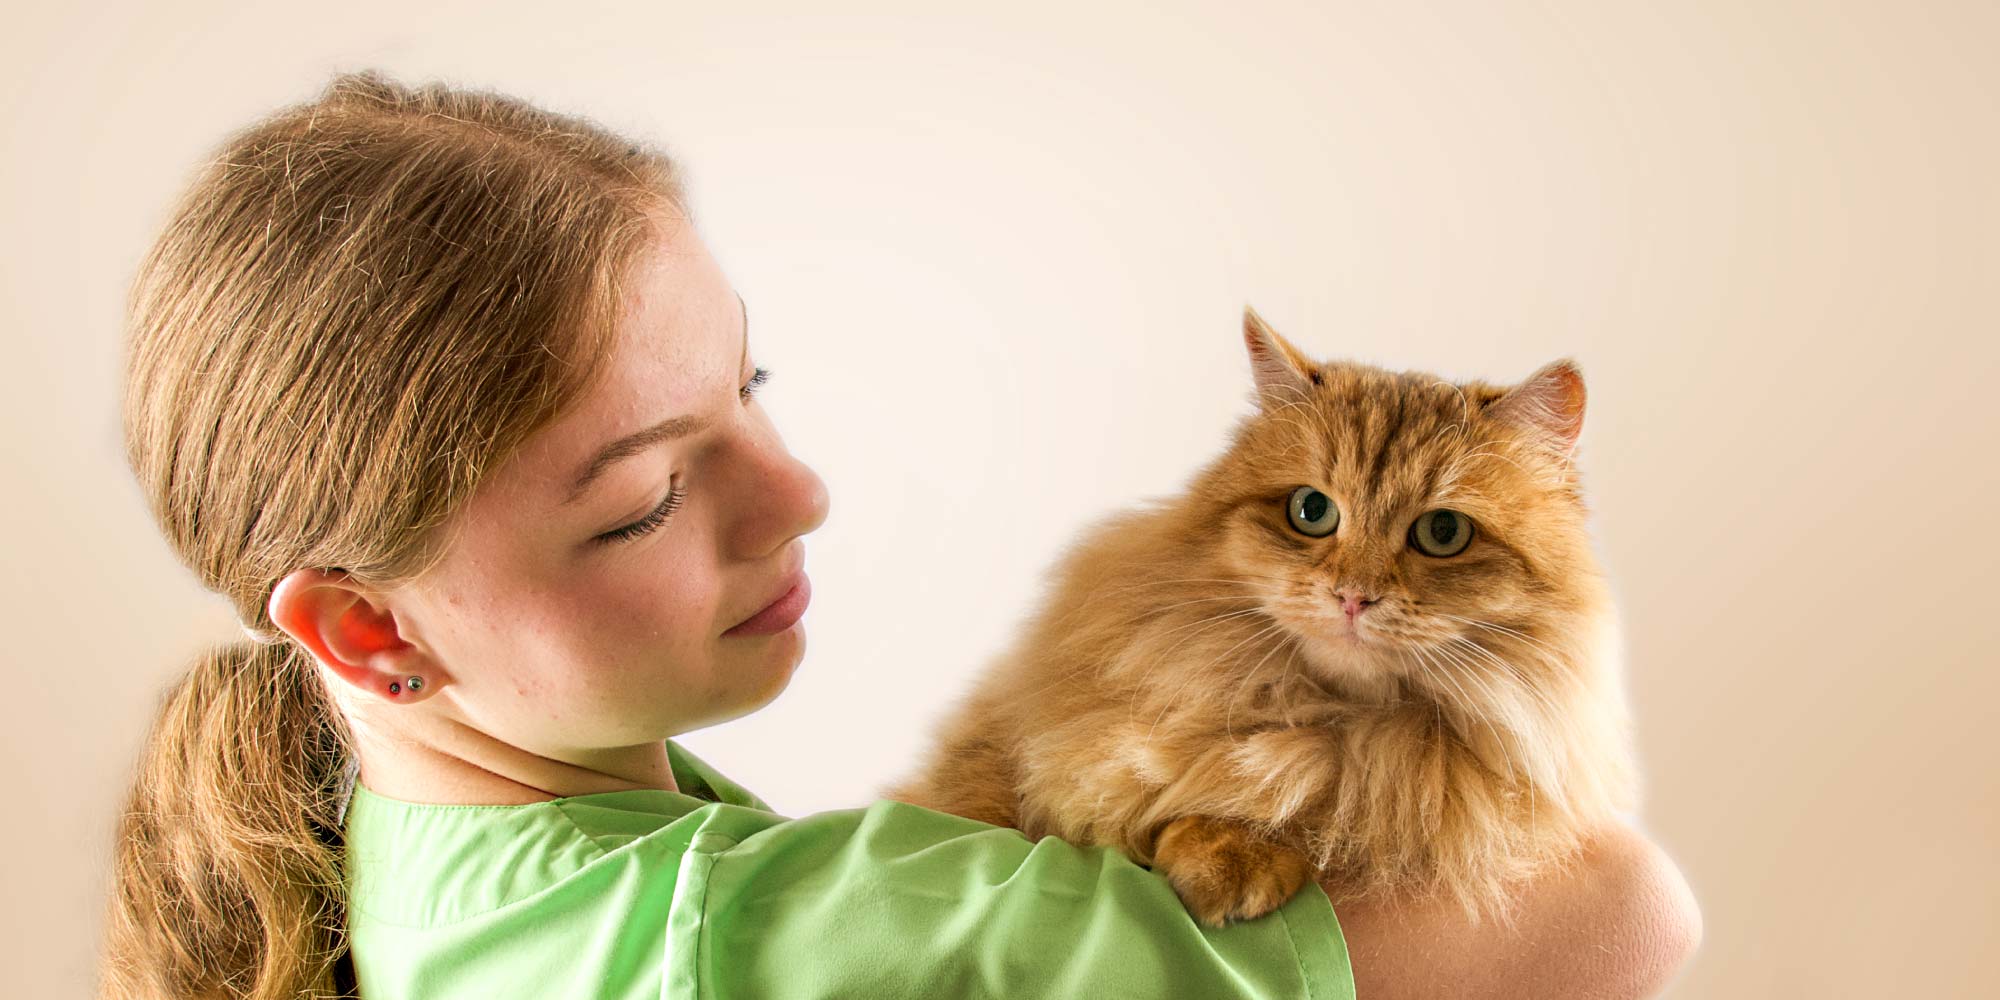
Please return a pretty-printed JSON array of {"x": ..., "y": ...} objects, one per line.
[{"x": 361, "y": 305}]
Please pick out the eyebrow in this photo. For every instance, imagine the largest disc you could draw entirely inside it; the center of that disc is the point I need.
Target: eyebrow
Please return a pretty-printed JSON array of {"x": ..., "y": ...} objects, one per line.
[{"x": 638, "y": 441}]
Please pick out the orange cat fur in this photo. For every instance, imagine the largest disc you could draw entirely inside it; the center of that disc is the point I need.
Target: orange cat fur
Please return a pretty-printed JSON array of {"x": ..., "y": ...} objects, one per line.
[{"x": 1193, "y": 690}]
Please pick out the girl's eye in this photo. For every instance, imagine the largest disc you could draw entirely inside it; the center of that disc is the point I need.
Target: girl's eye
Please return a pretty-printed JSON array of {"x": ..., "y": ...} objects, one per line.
[
  {"x": 1441, "y": 533},
  {"x": 647, "y": 523},
  {"x": 1312, "y": 512},
  {"x": 676, "y": 495}
]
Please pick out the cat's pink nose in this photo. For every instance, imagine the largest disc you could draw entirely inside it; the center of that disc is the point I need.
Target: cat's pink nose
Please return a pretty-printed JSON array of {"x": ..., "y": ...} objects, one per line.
[{"x": 1354, "y": 599}]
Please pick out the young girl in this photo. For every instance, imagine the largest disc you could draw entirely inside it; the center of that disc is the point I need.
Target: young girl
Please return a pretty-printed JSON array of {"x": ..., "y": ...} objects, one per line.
[{"x": 445, "y": 394}]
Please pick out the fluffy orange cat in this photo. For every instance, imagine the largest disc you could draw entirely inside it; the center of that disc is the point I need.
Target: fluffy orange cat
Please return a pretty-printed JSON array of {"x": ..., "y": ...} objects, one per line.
[{"x": 1369, "y": 644}]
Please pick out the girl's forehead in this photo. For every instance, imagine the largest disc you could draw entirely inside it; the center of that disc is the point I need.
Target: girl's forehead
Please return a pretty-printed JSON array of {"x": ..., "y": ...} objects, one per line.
[
  {"x": 676, "y": 352},
  {"x": 677, "y": 303},
  {"x": 674, "y": 362}
]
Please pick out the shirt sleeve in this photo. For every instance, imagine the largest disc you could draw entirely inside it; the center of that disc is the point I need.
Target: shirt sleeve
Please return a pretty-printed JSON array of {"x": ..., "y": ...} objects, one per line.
[{"x": 895, "y": 900}]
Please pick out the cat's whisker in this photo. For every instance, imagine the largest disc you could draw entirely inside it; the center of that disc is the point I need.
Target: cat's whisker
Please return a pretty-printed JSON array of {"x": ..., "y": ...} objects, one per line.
[
  {"x": 1520, "y": 677},
  {"x": 1537, "y": 475},
  {"x": 1465, "y": 405},
  {"x": 1303, "y": 398},
  {"x": 1254, "y": 598},
  {"x": 1201, "y": 621},
  {"x": 1471, "y": 674},
  {"x": 1066, "y": 678},
  {"x": 1229, "y": 713},
  {"x": 1211, "y": 623},
  {"x": 1440, "y": 695},
  {"x": 1256, "y": 601},
  {"x": 1304, "y": 403},
  {"x": 1224, "y": 655},
  {"x": 1523, "y": 636},
  {"x": 1325, "y": 431},
  {"x": 1437, "y": 686},
  {"x": 1052, "y": 685},
  {"x": 1466, "y": 702},
  {"x": 1300, "y": 399},
  {"x": 1319, "y": 414},
  {"x": 1248, "y": 587},
  {"x": 1482, "y": 624},
  {"x": 1456, "y": 430},
  {"x": 1102, "y": 594},
  {"x": 1492, "y": 657},
  {"x": 1190, "y": 579},
  {"x": 1194, "y": 673},
  {"x": 1527, "y": 773},
  {"x": 1303, "y": 430},
  {"x": 1437, "y": 708}
]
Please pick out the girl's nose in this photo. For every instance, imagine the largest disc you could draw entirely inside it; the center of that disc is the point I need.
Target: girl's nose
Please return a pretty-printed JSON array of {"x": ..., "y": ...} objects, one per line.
[
  {"x": 787, "y": 500},
  {"x": 817, "y": 501}
]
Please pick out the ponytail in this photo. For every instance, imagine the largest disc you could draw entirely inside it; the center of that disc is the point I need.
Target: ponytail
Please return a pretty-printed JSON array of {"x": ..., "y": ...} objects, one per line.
[{"x": 228, "y": 877}]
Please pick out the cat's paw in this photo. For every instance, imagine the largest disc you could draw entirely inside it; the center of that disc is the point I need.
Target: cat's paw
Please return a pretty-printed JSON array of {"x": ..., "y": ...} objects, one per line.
[{"x": 1226, "y": 870}]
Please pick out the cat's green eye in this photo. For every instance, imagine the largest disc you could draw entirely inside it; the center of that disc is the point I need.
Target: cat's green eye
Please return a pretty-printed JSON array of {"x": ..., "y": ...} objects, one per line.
[
  {"x": 1441, "y": 532},
  {"x": 1312, "y": 512}
]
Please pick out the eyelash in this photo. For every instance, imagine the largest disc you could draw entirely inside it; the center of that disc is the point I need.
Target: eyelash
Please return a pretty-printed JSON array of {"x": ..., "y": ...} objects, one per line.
[{"x": 676, "y": 495}]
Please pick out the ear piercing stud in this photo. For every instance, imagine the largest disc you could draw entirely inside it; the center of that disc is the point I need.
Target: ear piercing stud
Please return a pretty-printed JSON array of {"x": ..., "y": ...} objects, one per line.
[{"x": 416, "y": 684}]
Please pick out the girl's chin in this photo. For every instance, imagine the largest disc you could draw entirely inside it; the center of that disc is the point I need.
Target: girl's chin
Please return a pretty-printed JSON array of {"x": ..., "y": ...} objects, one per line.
[{"x": 781, "y": 677}]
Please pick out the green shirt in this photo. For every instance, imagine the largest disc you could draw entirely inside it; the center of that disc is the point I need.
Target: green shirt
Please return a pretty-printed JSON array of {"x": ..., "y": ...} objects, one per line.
[{"x": 708, "y": 893}]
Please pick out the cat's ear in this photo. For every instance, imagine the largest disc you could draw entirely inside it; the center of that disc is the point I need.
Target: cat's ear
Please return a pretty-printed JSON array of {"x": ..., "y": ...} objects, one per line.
[
  {"x": 1283, "y": 374},
  {"x": 1548, "y": 404}
]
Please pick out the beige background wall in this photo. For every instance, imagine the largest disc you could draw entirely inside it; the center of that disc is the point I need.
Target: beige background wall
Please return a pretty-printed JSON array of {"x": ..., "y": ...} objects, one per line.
[{"x": 996, "y": 261}]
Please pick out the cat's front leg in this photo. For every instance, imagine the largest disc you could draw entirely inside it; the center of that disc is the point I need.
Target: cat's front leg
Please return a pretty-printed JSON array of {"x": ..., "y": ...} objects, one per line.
[{"x": 1226, "y": 869}]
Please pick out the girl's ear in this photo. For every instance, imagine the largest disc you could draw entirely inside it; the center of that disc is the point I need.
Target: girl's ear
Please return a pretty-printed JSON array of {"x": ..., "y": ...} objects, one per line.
[
  {"x": 1548, "y": 405},
  {"x": 1283, "y": 374},
  {"x": 348, "y": 632}
]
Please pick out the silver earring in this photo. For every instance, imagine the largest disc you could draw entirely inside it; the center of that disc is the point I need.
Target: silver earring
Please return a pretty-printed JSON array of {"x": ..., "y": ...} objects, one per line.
[{"x": 416, "y": 684}]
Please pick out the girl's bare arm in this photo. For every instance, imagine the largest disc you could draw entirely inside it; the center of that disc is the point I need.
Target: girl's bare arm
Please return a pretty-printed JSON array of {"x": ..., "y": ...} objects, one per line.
[{"x": 1620, "y": 926}]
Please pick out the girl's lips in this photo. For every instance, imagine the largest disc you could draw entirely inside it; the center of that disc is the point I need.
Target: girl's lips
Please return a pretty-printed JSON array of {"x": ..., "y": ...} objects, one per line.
[{"x": 782, "y": 613}]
